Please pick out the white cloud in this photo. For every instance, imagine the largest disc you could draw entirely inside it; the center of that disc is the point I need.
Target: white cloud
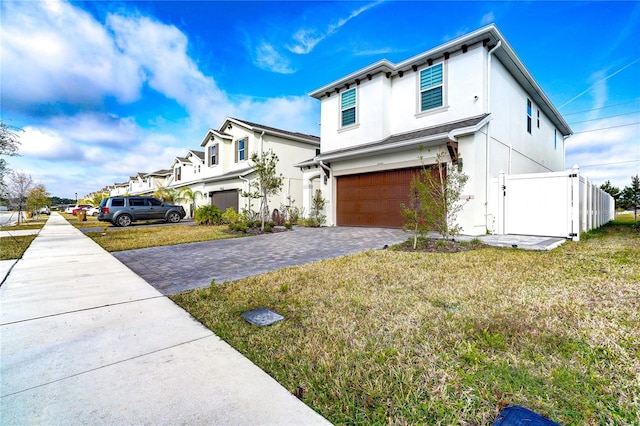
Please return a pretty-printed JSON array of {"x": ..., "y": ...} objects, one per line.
[
  {"x": 53, "y": 52},
  {"x": 487, "y": 18},
  {"x": 46, "y": 144},
  {"x": 70, "y": 75},
  {"x": 161, "y": 51},
  {"x": 269, "y": 59},
  {"x": 306, "y": 39}
]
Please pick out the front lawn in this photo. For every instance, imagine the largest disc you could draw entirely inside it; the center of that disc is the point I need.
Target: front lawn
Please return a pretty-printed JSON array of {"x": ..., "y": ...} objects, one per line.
[
  {"x": 14, "y": 247},
  {"x": 448, "y": 338},
  {"x": 133, "y": 238}
]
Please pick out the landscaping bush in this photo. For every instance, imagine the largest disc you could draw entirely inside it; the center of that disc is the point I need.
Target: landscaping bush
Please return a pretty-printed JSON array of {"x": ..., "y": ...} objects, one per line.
[
  {"x": 208, "y": 215},
  {"x": 231, "y": 216}
]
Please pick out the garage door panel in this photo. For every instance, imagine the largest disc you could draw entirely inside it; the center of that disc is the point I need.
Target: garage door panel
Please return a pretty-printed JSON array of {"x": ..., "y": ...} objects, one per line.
[{"x": 373, "y": 199}]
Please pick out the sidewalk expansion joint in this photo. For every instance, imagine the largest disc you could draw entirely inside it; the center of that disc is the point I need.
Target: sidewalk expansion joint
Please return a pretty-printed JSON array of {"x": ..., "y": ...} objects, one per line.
[
  {"x": 109, "y": 365},
  {"x": 84, "y": 309}
]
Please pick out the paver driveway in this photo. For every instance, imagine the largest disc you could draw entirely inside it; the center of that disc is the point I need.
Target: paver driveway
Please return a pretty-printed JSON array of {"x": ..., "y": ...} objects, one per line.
[{"x": 172, "y": 269}]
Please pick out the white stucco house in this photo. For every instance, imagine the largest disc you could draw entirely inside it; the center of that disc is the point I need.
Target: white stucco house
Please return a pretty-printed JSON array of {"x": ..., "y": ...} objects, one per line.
[
  {"x": 223, "y": 171},
  {"x": 470, "y": 98}
]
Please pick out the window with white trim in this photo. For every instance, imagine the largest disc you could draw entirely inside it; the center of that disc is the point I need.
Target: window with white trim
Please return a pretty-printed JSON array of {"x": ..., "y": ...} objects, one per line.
[
  {"x": 213, "y": 155},
  {"x": 177, "y": 173},
  {"x": 348, "y": 107},
  {"x": 432, "y": 87}
]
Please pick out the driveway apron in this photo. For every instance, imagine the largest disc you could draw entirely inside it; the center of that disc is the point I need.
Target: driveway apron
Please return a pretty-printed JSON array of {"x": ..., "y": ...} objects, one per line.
[{"x": 184, "y": 267}]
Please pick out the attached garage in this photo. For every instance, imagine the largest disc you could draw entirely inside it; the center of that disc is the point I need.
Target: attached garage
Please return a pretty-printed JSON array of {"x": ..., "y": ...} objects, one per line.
[
  {"x": 225, "y": 199},
  {"x": 373, "y": 199}
]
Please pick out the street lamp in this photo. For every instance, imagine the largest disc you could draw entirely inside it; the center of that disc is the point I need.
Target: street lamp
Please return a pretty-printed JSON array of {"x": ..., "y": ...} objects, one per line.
[{"x": 76, "y": 198}]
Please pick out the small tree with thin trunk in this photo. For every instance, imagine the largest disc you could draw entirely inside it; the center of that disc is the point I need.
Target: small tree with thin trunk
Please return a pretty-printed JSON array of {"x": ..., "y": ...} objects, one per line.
[
  {"x": 9, "y": 145},
  {"x": 18, "y": 189},
  {"x": 630, "y": 196},
  {"x": 37, "y": 197},
  {"x": 268, "y": 181},
  {"x": 434, "y": 200}
]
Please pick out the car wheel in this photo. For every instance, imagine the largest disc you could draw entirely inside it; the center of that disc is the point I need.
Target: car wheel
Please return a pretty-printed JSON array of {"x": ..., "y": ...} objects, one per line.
[
  {"x": 124, "y": 220},
  {"x": 94, "y": 214},
  {"x": 173, "y": 217}
]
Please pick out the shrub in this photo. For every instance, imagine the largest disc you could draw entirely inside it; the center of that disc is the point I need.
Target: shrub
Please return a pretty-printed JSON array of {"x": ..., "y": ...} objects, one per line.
[
  {"x": 316, "y": 216},
  {"x": 231, "y": 216},
  {"x": 208, "y": 215}
]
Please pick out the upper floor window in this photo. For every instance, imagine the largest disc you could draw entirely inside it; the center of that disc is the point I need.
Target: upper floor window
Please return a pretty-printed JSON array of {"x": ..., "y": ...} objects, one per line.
[
  {"x": 529, "y": 115},
  {"x": 431, "y": 87},
  {"x": 177, "y": 173},
  {"x": 538, "y": 111},
  {"x": 348, "y": 107},
  {"x": 213, "y": 155},
  {"x": 241, "y": 149}
]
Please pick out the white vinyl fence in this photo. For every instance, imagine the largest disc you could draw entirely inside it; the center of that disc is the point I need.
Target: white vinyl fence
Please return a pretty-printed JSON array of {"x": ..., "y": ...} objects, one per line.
[{"x": 557, "y": 204}]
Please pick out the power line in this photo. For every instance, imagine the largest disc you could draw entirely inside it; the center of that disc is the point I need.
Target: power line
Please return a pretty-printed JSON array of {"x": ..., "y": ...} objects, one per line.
[
  {"x": 602, "y": 118},
  {"x": 607, "y": 128},
  {"x": 597, "y": 82},
  {"x": 604, "y": 107},
  {"x": 610, "y": 164}
]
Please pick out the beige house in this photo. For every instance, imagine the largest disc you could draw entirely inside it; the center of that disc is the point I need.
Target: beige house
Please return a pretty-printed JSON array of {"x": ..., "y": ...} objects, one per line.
[{"x": 228, "y": 171}]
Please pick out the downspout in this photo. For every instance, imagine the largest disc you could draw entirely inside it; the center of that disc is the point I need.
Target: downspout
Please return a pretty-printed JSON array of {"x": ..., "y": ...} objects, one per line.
[
  {"x": 261, "y": 144},
  {"x": 241, "y": 177},
  {"x": 328, "y": 170},
  {"x": 488, "y": 137}
]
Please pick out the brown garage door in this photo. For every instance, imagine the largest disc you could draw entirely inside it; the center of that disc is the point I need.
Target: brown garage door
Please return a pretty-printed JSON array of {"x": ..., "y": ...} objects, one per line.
[
  {"x": 373, "y": 199},
  {"x": 225, "y": 199}
]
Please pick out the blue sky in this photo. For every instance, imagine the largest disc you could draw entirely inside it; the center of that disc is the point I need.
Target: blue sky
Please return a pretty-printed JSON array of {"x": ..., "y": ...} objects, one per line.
[{"x": 103, "y": 90}]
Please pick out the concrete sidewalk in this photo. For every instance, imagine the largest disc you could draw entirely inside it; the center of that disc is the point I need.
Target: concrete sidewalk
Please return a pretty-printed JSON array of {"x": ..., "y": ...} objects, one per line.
[{"x": 84, "y": 340}]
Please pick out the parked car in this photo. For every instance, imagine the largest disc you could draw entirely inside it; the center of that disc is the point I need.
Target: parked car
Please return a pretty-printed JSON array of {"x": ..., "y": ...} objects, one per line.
[
  {"x": 81, "y": 207},
  {"x": 44, "y": 210},
  {"x": 123, "y": 210},
  {"x": 93, "y": 211},
  {"x": 73, "y": 207}
]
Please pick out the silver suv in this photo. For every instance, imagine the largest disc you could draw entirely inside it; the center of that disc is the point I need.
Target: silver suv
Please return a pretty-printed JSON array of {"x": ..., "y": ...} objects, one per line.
[{"x": 123, "y": 210}]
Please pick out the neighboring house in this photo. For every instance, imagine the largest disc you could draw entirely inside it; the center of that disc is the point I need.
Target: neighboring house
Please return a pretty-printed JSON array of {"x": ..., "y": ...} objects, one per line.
[
  {"x": 228, "y": 170},
  {"x": 137, "y": 184},
  {"x": 158, "y": 179},
  {"x": 187, "y": 169},
  {"x": 470, "y": 98},
  {"x": 118, "y": 189}
]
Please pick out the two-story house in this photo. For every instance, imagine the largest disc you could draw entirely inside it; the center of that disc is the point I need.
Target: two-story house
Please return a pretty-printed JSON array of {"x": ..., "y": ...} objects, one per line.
[
  {"x": 470, "y": 98},
  {"x": 228, "y": 170},
  {"x": 137, "y": 184}
]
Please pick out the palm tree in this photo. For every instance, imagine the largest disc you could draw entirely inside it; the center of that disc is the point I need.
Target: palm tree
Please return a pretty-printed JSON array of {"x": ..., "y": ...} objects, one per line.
[
  {"x": 189, "y": 196},
  {"x": 166, "y": 195}
]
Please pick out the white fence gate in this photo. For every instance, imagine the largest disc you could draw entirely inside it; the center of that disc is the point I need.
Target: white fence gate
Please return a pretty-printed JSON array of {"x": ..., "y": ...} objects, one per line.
[{"x": 557, "y": 204}]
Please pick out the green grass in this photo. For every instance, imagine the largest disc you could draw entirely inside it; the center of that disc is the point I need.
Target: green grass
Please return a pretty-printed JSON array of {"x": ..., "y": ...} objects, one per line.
[
  {"x": 14, "y": 247},
  {"x": 390, "y": 337},
  {"x": 134, "y": 238}
]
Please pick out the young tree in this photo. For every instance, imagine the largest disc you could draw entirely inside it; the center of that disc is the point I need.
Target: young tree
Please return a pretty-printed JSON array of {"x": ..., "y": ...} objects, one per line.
[
  {"x": 37, "y": 197},
  {"x": 268, "y": 181},
  {"x": 189, "y": 196},
  {"x": 434, "y": 201},
  {"x": 611, "y": 190},
  {"x": 9, "y": 145},
  {"x": 630, "y": 197},
  {"x": 316, "y": 215},
  {"x": 18, "y": 189}
]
